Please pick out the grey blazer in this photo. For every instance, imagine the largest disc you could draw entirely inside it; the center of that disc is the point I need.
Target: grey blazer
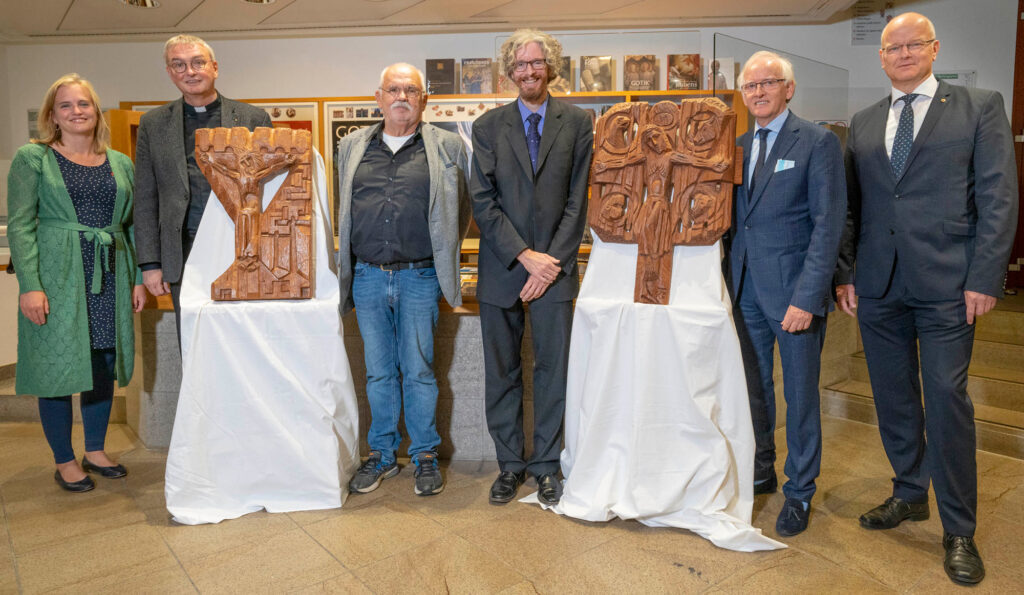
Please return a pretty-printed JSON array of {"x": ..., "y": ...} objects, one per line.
[
  {"x": 161, "y": 179},
  {"x": 448, "y": 211},
  {"x": 950, "y": 216}
]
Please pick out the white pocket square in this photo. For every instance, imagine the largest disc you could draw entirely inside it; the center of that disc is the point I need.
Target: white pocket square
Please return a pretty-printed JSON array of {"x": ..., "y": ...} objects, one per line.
[{"x": 784, "y": 164}]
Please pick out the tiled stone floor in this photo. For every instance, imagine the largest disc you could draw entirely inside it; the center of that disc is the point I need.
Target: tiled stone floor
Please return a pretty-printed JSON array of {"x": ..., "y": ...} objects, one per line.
[{"x": 119, "y": 538}]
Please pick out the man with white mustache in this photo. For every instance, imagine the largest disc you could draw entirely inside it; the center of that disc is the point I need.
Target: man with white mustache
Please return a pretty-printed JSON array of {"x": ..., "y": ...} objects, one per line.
[{"x": 403, "y": 209}]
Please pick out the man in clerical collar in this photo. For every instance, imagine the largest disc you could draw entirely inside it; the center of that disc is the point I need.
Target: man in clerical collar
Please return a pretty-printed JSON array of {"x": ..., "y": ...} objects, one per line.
[{"x": 170, "y": 190}]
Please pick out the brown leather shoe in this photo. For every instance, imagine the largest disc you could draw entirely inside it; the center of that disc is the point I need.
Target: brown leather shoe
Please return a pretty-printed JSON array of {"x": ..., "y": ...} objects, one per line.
[
  {"x": 892, "y": 512},
  {"x": 963, "y": 563}
]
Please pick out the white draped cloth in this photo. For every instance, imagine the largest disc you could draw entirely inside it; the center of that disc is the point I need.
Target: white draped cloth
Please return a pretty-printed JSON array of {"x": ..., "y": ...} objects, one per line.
[
  {"x": 267, "y": 415},
  {"x": 657, "y": 421}
]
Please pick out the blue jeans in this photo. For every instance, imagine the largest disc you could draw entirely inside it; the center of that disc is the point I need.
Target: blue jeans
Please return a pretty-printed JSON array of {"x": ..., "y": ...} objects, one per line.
[
  {"x": 56, "y": 415},
  {"x": 397, "y": 314}
]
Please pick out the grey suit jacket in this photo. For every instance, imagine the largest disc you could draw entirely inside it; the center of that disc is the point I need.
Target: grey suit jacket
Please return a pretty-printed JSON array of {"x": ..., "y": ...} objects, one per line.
[
  {"x": 951, "y": 215},
  {"x": 786, "y": 228},
  {"x": 448, "y": 214},
  {"x": 161, "y": 179},
  {"x": 517, "y": 209}
]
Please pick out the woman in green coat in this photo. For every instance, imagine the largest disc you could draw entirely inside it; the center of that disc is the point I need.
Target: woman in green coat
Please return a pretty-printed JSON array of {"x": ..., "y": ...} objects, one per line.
[{"x": 70, "y": 230}]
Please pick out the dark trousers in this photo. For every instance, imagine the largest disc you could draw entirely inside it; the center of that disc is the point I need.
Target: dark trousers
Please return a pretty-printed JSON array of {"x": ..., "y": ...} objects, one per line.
[
  {"x": 940, "y": 445},
  {"x": 801, "y": 371},
  {"x": 502, "y": 330},
  {"x": 56, "y": 415}
]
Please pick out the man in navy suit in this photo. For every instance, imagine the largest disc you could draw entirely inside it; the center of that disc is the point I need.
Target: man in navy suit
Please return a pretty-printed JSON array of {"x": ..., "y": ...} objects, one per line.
[
  {"x": 933, "y": 206},
  {"x": 787, "y": 224}
]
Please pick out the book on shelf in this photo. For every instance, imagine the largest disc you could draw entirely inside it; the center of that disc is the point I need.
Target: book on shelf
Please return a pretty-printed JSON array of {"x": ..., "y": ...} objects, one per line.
[
  {"x": 597, "y": 73},
  {"x": 683, "y": 71},
  {"x": 441, "y": 76},
  {"x": 640, "y": 73},
  {"x": 477, "y": 76}
]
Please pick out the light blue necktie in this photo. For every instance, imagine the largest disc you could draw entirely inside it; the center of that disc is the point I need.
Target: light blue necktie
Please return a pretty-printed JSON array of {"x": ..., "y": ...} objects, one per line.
[
  {"x": 533, "y": 138},
  {"x": 904, "y": 135}
]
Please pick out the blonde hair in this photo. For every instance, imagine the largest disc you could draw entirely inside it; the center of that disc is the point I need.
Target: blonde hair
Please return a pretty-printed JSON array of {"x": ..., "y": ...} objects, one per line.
[
  {"x": 49, "y": 132},
  {"x": 522, "y": 37},
  {"x": 188, "y": 40}
]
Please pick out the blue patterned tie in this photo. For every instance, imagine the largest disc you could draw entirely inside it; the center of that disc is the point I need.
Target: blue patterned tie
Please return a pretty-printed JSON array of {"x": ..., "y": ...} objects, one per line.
[
  {"x": 762, "y": 155},
  {"x": 904, "y": 135},
  {"x": 533, "y": 138}
]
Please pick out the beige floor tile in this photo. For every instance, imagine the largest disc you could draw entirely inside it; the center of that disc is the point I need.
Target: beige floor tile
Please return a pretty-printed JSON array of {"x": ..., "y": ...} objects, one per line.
[
  {"x": 190, "y": 543},
  {"x": 155, "y": 577},
  {"x": 1001, "y": 543},
  {"x": 997, "y": 581},
  {"x": 870, "y": 553},
  {"x": 646, "y": 560},
  {"x": 531, "y": 540},
  {"x": 1000, "y": 488},
  {"x": 449, "y": 565},
  {"x": 792, "y": 571},
  {"x": 365, "y": 535},
  {"x": 458, "y": 507},
  {"x": 119, "y": 551},
  {"x": 8, "y": 577},
  {"x": 55, "y": 518},
  {"x": 521, "y": 588},
  {"x": 281, "y": 563},
  {"x": 345, "y": 584}
]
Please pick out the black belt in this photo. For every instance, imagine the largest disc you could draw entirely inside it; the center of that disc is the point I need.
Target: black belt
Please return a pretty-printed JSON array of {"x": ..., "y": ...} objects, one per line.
[{"x": 402, "y": 266}]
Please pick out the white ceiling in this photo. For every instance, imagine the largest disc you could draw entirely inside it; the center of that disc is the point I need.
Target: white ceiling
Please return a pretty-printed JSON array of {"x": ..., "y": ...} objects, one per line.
[{"x": 46, "y": 21}]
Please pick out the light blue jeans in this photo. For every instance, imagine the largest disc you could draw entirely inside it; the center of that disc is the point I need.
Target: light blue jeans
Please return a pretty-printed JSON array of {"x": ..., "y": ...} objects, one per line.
[{"x": 397, "y": 314}]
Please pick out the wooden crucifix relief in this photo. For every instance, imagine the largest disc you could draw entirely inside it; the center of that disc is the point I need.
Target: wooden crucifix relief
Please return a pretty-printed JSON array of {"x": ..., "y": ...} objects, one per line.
[
  {"x": 273, "y": 247},
  {"x": 662, "y": 176}
]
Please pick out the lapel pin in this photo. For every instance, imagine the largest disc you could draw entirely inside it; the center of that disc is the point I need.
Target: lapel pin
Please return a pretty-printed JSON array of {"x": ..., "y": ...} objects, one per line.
[{"x": 943, "y": 100}]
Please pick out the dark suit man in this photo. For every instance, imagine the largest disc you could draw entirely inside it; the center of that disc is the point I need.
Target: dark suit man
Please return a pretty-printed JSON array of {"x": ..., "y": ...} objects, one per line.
[
  {"x": 933, "y": 205},
  {"x": 531, "y": 162},
  {"x": 788, "y": 219},
  {"x": 170, "y": 190}
]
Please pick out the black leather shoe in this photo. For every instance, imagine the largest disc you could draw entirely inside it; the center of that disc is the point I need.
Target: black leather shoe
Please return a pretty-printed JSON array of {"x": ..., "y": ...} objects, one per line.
[
  {"x": 963, "y": 562},
  {"x": 109, "y": 472},
  {"x": 504, "y": 488},
  {"x": 549, "y": 489},
  {"x": 768, "y": 486},
  {"x": 82, "y": 485},
  {"x": 892, "y": 512},
  {"x": 792, "y": 518}
]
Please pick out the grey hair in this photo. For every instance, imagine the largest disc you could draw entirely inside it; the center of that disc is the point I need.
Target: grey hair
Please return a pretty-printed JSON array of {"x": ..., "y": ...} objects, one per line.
[
  {"x": 186, "y": 39},
  {"x": 384, "y": 73},
  {"x": 522, "y": 37},
  {"x": 787, "y": 66}
]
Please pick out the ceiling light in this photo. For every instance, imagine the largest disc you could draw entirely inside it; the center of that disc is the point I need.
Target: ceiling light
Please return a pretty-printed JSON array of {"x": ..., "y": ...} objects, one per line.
[{"x": 141, "y": 3}]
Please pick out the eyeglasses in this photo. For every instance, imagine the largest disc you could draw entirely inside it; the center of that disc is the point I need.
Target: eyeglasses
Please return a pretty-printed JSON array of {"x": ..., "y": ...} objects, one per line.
[
  {"x": 768, "y": 85},
  {"x": 914, "y": 47},
  {"x": 536, "y": 64},
  {"x": 198, "y": 65},
  {"x": 410, "y": 92}
]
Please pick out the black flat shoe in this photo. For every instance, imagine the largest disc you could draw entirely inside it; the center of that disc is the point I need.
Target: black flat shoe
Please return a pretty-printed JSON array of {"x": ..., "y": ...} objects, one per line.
[
  {"x": 549, "y": 489},
  {"x": 963, "y": 563},
  {"x": 82, "y": 485},
  {"x": 892, "y": 512},
  {"x": 109, "y": 472},
  {"x": 793, "y": 518},
  {"x": 504, "y": 489}
]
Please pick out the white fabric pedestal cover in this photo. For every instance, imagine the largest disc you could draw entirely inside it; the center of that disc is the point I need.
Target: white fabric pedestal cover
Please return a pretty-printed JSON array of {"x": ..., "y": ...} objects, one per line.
[
  {"x": 657, "y": 421},
  {"x": 267, "y": 415}
]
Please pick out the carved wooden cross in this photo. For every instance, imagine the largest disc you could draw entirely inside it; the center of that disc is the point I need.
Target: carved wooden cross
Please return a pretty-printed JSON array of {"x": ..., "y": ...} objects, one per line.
[
  {"x": 274, "y": 258},
  {"x": 662, "y": 176}
]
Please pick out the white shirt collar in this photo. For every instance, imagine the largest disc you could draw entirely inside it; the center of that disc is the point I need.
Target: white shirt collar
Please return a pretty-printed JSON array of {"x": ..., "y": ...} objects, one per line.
[{"x": 927, "y": 88}]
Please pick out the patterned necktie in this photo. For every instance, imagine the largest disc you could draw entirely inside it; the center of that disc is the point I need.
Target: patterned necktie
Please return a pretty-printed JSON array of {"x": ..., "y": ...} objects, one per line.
[
  {"x": 904, "y": 135},
  {"x": 533, "y": 138},
  {"x": 762, "y": 155}
]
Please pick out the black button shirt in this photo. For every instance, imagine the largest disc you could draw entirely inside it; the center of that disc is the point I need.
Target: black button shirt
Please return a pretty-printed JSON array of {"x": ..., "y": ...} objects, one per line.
[
  {"x": 198, "y": 185},
  {"x": 390, "y": 203}
]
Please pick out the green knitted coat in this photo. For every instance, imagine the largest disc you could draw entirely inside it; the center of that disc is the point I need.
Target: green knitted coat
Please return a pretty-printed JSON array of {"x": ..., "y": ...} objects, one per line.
[{"x": 54, "y": 359}]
